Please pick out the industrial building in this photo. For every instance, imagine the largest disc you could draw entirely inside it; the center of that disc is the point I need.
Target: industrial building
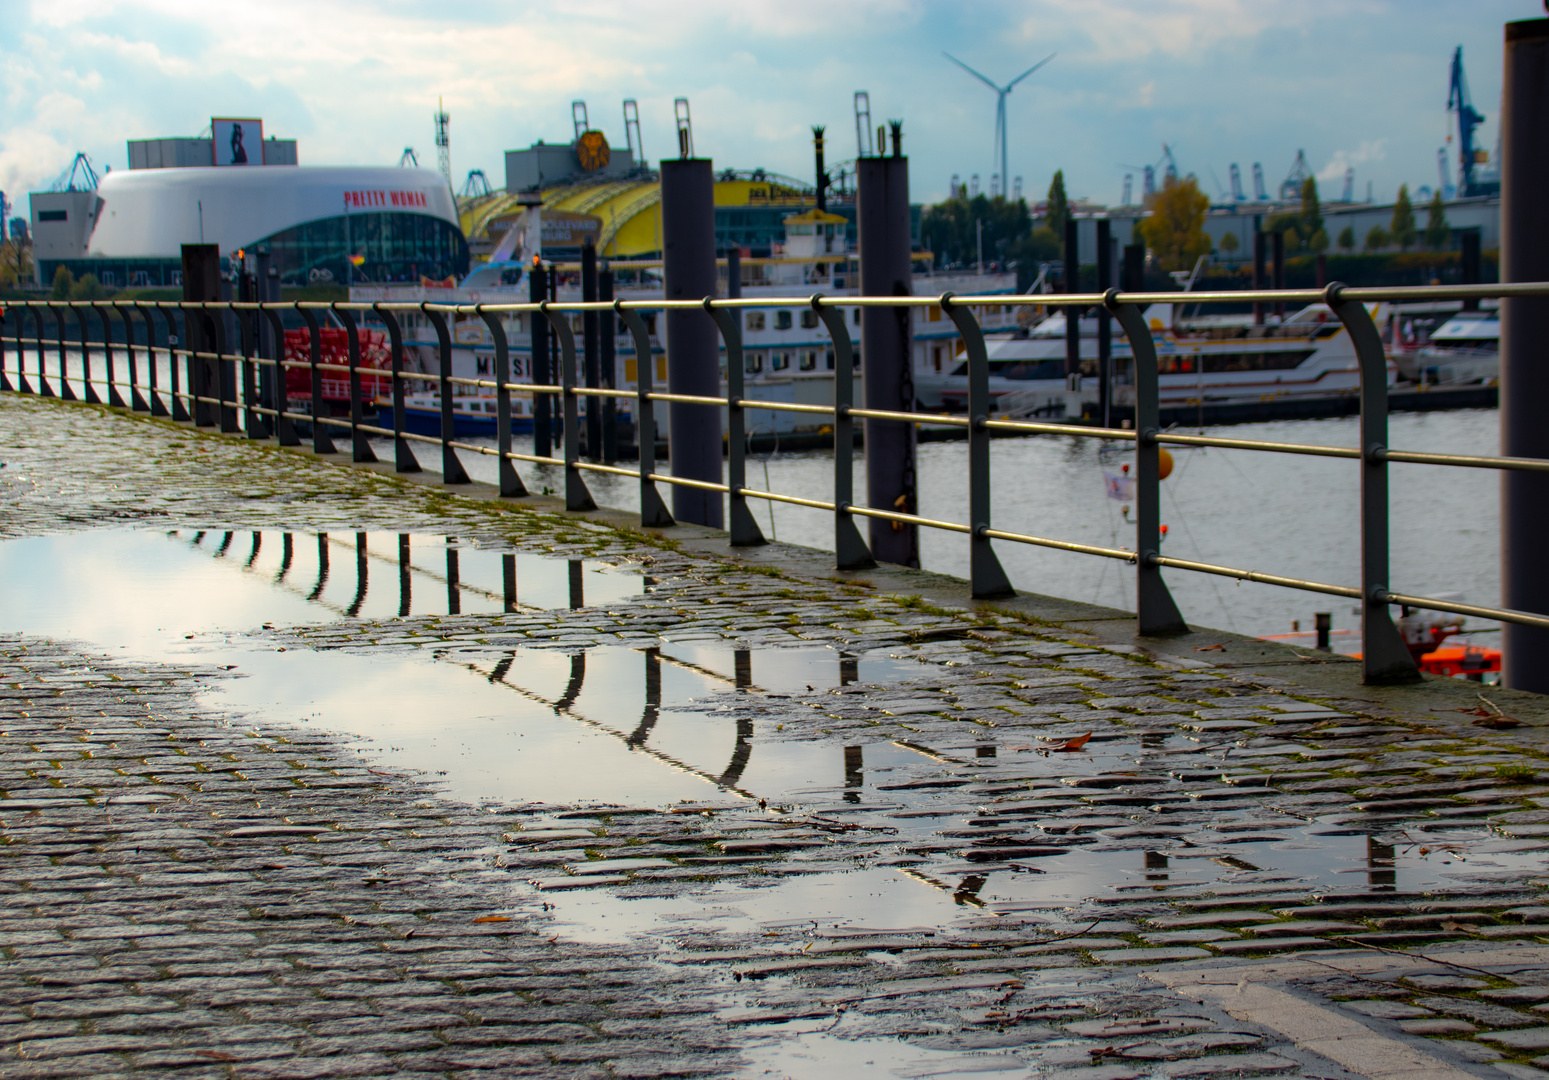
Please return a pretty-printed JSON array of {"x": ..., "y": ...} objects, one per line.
[{"x": 329, "y": 224}]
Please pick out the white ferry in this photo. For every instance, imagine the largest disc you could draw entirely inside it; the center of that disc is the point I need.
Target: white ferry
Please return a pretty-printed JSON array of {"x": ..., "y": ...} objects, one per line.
[
  {"x": 1464, "y": 349},
  {"x": 1219, "y": 360}
]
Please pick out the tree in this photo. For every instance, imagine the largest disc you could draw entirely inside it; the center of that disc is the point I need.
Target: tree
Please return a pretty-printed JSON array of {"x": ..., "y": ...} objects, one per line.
[
  {"x": 1175, "y": 228},
  {"x": 88, "y": 288},
  {"x": 1377, "y": 238},
  {"x": 1318, "y": 241},
  {"x": 1346, "y": 239},
  {"x": 64, "y": 281},
  {"x": 15, "y": 263},
  {"x": 950, "y": 228},
  {"x": 1058, "y": 211},
  {"x": 1437, "y": 232},
  {"x": 1229, "y": 244},
  {"x": 1312, "y": 212},
  {"x": 1402, "y": 232}
]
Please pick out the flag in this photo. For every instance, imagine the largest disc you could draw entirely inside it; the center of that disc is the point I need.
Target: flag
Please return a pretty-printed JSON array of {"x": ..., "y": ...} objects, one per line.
[{"x": 1119, "y": 486}]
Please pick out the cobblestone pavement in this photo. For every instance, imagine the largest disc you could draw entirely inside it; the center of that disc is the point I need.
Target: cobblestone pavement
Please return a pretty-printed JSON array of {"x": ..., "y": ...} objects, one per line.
[{"x": 1133, "y": 864}]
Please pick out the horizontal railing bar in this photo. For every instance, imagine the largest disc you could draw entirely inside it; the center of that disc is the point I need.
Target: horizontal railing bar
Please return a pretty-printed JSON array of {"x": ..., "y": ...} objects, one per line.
[
  {"x": 386, "y": 432},
  {"x": 909, "y": 519},
  {"x": 415, "y": 436},
  {"x": 1258, "y": 444},
  {"x": 785, "y": 406},
  {"x": 332, "y": 421},
  {"x": 1061, "y": 545},
  {"x": 536, "y": 459},
  {"x": 1060, "y": 429},
  {"x": 491, "y": 451},
  {"x": 592, "y": 466},
  {"x": 774, "y": 496},
  {"x": 1522, "y": 618},
  {"x": 681, "y": 481},
  {"x": 687, "y": 399},
  {"x": 1255, "y": 576},
  {"x": 1466, "y": 461},
  {"x": 910, "y": 418}
]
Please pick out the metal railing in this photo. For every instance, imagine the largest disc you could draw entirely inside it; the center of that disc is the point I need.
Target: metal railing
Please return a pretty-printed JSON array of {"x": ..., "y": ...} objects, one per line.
[{"x": 211, "y": 393}]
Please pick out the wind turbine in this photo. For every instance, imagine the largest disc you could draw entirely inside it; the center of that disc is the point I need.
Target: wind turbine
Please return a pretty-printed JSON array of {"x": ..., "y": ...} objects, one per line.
[{"x": 1001, "y": 93}]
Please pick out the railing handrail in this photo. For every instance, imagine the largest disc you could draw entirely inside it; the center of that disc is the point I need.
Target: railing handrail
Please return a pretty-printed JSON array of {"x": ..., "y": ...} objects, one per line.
[{"x": 210, "y": 395}]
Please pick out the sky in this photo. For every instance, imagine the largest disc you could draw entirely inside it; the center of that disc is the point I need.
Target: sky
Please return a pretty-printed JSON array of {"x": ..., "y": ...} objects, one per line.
[{"x": 1359, "y": 83}]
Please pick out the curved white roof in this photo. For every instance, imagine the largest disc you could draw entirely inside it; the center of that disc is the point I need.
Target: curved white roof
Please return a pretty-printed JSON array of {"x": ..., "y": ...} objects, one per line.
[{"x": 153, "y": 212}]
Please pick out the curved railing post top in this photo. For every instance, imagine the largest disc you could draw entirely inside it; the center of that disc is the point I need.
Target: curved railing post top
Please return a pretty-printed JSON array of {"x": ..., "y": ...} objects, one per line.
[
  {"x": 1332, "y": 292},
  {"x": 947, "y": 299},
  {"x": 1111, "y": 298},
  {"x": 816, "y": 300}
]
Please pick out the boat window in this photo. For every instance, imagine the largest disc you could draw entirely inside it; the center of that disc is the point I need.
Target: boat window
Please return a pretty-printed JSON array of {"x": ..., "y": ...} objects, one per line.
[
  {"x": 809, "y": 361},
  {"x": 782, "y": 320},
  {"x": 1021, "y": 370},
  {"x": 809, "y": 319},
  {"x": 753, "y": 363},
  {"x": 782, "y": 361},
  {"x": 755, "y": 320},
  {"x": 1246, "y": 361}
]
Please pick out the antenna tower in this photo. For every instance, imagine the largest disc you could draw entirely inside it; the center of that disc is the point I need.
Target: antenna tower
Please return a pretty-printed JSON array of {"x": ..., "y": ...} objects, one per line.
[
  {"x": 443, "y": 142},
  {"x": 409, "y": 159}
]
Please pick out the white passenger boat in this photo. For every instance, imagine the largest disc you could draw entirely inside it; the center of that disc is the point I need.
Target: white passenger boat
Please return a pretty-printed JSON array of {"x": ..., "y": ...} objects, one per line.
[
  {"x": 1221, "y": 360},
  {"x": 1465, "y": 349}
]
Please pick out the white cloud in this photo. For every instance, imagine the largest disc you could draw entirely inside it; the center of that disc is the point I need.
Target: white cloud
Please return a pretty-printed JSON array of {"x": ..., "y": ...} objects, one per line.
[{"x": 1369, "y": 151}]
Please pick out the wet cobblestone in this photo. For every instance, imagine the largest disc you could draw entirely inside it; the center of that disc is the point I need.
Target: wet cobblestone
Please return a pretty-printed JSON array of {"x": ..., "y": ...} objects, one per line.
[{"x": 192, "y": 893}]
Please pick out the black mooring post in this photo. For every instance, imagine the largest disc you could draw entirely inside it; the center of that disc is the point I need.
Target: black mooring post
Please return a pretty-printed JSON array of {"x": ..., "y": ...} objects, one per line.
[
  {"x": 882, "y": 219},
  {"x": 1468, "y": 263},
  {"x": 1260, "y": 250},
  {"x": 609, "y": 363},
  {"x": 542, "y": 406},
  {"x": 1524, "y": 390},
  {"x": 1072, "y": 284},
  {"x": 201, "y": 283},
  {"x": 693, "y": 345},
  {"x": 1104, "y": 322},
  {"x": 591, "y": 349}
]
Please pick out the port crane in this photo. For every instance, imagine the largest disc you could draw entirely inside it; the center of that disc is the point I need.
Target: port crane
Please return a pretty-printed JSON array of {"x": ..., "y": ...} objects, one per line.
[{"x": 1459, "y": 102}]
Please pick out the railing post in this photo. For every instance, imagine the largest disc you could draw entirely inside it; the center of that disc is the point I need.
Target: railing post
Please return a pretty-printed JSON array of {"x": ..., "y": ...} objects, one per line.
[
  {"x": 542, "y": 405},
  {"x": 452, "y": 471},
  {"x": 1156, "y": 615},
  {"x": 44, "y": 389},
  {"x": 987, "y": 580},
  {"x": 225, "y": 375},
  {"x": 284, "y": 429},
  {"x": 247, "y": 328},
  {"x": 136, "y": 399},
  {"x": 653, "y": 511},
  {"x": 5, "y": 383},
  {"x": 577, "y": 497},
  {"x": 179, "y": 405},
  {"x": 1384, "y": 656},
  {"x": 743, "y": 529},
  {"x": 511, "y": 485},
  {"x": 404, "y": 460},
  {"x": 66, "y": 391},
  {"x": 153, "y": 399},
  {"x": 850, "y": 550},
  {"x": 322, "y": 441},
  {"x": 114, "y": 397},
  {"x": 360, "y": 445},
  {"x": 19, "y": 313},
  {"x": 88, "y": 391}
]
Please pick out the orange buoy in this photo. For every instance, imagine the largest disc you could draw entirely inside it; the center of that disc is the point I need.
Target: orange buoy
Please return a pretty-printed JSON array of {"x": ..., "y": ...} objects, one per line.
[{"x": 1164, "y": 462}]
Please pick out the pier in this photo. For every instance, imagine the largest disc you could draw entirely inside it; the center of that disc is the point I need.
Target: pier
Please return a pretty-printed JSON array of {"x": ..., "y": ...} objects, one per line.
[{"x": 360, "y": 772}]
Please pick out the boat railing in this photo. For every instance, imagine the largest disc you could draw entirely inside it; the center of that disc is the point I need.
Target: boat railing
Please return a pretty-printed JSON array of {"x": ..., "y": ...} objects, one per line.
[{"x": 227, "y": 372}]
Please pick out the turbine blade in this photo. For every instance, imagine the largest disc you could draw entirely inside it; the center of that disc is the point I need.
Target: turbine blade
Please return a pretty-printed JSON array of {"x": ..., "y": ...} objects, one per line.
[
  {"x": 1029, "y": 71},
  {"x": 972, "y": 72}
]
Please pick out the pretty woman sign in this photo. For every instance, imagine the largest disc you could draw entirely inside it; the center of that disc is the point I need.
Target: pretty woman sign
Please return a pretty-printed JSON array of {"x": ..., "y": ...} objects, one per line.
[{"x": 238, "y": 142}]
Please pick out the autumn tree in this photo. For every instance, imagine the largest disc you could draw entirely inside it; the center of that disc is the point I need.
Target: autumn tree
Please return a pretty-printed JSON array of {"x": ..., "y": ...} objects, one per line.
[
  {"x": 64, "y": 281},
  {"x": 15, "y": 263},
  {"x": 1402, "y": 231},
  {"x": 1229, "y": 244},
  {"x": 1174, "y": 231},
  {"x": 1437, "y": 231}
]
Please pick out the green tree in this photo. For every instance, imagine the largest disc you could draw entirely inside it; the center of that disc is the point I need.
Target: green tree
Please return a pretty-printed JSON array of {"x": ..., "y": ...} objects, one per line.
[
  {"x": 1346, "y": 239},
  {"x": 64, "y": 281},
  {"x": 88, "y": 288},
  {"x": 1290, "y": 223},
  {"x": 1402, "y": 231},
  {"x": 1437, "y": 232},
  {"x": 1377, "y": 238},
  {"x": 950, "y": 229},
  {"x": 1312, "y": 212},
  {"x": 1229, "y": 244},
  {"x": 15, "y": 263},
  {"x": 1318, "y": 241},
  {"x": 1058, "y": 211},
  {"x": 1175, "y": 229}
]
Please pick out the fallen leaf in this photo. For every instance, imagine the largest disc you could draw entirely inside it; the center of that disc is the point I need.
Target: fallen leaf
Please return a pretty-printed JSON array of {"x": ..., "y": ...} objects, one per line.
[
  {"x": 1498, "y": 723},
  {"x": 1072, "y": 744},
  {"x": 215, "y": 1055},
  {"x": 1210, "y": 648},
  {"x": 493, "y": 918}
]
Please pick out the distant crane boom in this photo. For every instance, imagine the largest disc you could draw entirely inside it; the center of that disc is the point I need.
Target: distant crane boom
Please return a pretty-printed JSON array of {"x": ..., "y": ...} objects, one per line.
[
  {"x": 1236, "y": 178},
  {"x": 1258, "y": 183},
  {"x": 1459, "y": 102}
]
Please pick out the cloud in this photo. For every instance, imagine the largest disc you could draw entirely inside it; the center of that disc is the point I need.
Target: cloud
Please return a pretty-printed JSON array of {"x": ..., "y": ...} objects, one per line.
[{"x": 1368, "y": 151}]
